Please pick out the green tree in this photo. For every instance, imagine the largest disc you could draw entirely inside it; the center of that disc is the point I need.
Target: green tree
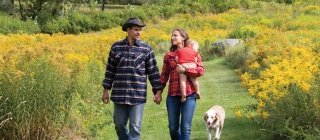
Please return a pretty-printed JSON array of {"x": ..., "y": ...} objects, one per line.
[{"x": 7, "y": 6}]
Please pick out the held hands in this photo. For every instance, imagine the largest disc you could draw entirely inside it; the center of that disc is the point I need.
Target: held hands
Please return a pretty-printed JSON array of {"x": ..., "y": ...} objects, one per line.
[
  {"x": 105, "y": 96},
  {"x": 157, "y": 98}
]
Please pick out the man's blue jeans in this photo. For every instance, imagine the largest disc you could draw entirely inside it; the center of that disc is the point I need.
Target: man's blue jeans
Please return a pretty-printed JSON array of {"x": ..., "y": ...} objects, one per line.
[
  {"x": 180, "y": 130},
  {"x": 123, "y": 113}
]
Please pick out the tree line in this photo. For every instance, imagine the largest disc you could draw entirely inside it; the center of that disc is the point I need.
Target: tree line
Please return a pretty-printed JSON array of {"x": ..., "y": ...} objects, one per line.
[{"x": 30, "y": 8}]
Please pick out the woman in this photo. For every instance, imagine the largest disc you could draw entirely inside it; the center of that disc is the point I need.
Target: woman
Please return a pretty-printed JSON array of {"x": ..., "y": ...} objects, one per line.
[{"x": 179, "y": 113}]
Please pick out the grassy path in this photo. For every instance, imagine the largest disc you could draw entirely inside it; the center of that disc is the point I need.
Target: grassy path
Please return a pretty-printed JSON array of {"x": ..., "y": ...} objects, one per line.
[{"x": 220, "y": 85}]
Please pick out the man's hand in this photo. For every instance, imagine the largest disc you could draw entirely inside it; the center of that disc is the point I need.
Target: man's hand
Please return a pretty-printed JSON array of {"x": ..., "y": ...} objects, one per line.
[
  {"x": 180, "y": 69},
  {"x": 157, "y": 98},
  {"x": 105, "y": 96}
]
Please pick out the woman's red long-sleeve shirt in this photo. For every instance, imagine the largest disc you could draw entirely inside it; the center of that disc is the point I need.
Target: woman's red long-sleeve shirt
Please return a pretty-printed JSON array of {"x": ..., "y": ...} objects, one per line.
[{"x": 169, "y": 72}]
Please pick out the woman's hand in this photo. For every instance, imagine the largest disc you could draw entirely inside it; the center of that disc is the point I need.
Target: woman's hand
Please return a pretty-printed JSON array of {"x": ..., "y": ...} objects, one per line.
[
  {"x": 158, "y": 98},
  {"x": 180, "y": 69}
]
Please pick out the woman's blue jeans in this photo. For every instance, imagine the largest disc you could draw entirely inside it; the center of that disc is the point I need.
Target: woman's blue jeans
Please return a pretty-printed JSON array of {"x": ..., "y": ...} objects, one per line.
[{"x": 180, "y": 130}]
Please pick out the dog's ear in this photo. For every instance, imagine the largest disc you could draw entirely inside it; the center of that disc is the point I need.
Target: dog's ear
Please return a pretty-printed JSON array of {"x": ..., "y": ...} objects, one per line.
[
  {"x": 217, "y": 116},
  {"x": 205, "y": 117}
]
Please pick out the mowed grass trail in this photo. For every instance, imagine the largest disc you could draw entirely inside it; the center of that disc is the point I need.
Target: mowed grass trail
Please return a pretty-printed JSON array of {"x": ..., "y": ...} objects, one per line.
[{"x": 219, "y": 86}]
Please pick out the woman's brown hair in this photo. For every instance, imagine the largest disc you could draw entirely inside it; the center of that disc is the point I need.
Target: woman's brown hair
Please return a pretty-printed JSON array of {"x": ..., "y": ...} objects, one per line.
[{"x": 184, "y": 34}]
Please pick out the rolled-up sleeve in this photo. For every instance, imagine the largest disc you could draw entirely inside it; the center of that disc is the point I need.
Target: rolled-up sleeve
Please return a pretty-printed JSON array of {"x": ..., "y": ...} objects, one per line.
[{"x": 198, "y": 71}]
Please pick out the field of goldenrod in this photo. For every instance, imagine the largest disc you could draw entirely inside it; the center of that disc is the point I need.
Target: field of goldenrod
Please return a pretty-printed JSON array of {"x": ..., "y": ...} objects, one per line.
[{"x": 45, "y": 81}]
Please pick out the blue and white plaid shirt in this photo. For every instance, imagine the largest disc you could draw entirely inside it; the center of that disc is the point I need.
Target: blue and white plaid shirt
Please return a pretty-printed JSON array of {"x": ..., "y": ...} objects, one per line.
[{"x": 127, "y": 71}]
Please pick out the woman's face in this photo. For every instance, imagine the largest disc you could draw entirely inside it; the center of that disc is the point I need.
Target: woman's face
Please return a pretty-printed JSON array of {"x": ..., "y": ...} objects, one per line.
[{"x": 176, "y": 38}]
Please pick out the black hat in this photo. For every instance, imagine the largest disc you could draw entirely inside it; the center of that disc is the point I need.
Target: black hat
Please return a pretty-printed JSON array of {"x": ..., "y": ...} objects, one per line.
[{"x": 130, "y": 22}]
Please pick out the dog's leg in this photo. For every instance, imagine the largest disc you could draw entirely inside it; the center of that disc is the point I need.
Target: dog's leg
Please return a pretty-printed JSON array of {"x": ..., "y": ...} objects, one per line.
[
  {"x": 209, "y": 133},
  {"x": 220, "y": 131},
  {"x": 217, "y": 134}
]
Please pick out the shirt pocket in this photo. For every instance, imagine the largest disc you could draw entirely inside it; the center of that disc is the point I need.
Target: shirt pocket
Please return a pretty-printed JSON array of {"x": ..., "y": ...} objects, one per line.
[
  {"x": 172, "y": 63},
  {"x": 119, "y": 59},
  {"x": 139, "y": 60}
]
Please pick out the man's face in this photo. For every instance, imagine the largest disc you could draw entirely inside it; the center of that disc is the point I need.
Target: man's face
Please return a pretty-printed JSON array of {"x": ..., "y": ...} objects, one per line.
[{"x": 134, "y": 32}]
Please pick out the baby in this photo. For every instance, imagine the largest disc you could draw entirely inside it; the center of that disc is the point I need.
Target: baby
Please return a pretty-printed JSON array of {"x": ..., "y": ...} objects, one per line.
[{"x": 187, "y": 58}]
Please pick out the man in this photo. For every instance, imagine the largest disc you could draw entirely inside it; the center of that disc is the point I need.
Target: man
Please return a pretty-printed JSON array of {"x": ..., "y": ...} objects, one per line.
[{"x": 130, "y": 62}]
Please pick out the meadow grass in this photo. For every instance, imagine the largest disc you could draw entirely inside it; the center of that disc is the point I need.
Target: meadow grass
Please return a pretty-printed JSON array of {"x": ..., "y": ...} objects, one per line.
[{"x": 219, "y": 86}]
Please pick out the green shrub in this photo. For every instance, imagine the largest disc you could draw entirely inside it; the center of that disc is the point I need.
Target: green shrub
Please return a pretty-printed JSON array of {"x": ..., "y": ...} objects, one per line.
[
  {"x": 44, "y": 102},
  {"x": 162, "y": 47},
  {"x": 43, "y": 18},
  {"x": 280, "y": 1},
  {"x": 80, "y": 23},
  {"x": 238, "y": 55},
  {"x": 312, "y": 10},
  {"x": 246, "y": 4},
  {"x": 219, "y": 48},
  {"x": 38, "y": 100},
  {"x": 198, "y": 7},
  {"x": 206, "y": 51},
  {"x": 219, "y": 6},
  {"x": 106, "y": 20},
  {"x": 56, "y": 25},
  {"x": 285, "y": 1},
  {"x": 6, "y": 6},
  {"x": 14, "y": 25},
  {"x": 218, "y": 25},
  {"x": 278, "y": 23},
  {"x": 192, "y": 7},
  {"x": 168, "y": 11},
  {"x": 244, "y": 32},
  {"x": 91, "y": 117},
  {"x": 132, "y": 12},
  {"x": 267, "y": 22},
  {"x": 296, "y": 115},
  {"x": 71, "y": 24}
]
